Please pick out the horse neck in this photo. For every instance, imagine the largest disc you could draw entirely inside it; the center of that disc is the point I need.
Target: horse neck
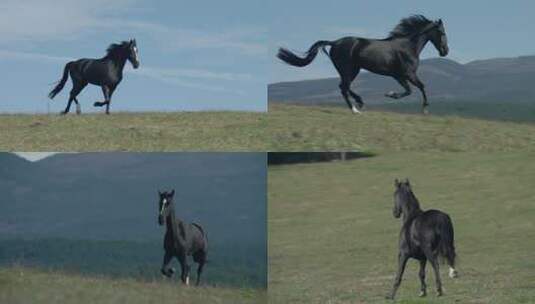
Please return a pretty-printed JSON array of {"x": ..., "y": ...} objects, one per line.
[
  {"x": 172, "y": 222},
  {"x": 417, "y": 42},
  {"x": 411, "y": 209},
  {"x": 118, "y": 60}
]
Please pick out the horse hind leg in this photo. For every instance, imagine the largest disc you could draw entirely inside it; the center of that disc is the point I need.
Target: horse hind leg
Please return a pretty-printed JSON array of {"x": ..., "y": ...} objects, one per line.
[
  {"x": 200, "y": 258},
  {"x": 344, "y": 89},
  {"x": 76, "y": 89},
  {"x": 421, "y": 275},
  {"x": 185, "y": 269}
]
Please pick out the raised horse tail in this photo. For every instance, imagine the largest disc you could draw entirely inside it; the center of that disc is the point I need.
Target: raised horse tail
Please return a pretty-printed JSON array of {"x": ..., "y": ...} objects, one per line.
[
  {"x": 446, "y": 246},
  {"x": 292, "y": 59},
  {"x": 204, "y": 234},
  {"x": 61, "y": 83}
]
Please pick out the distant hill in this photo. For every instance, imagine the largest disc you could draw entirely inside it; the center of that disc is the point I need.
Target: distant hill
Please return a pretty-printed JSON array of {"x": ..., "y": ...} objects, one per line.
[
  {"x": 499, "y": 80},
  {"x": 113, "y": 196}
]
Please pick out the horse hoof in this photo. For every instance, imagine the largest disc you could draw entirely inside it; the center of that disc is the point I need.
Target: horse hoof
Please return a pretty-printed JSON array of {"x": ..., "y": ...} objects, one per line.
[
  {"x": 62, "y": 113},
  {"x": 355, "y": 110},
  {"x": 439, "y": 293},
  {"x": 389, "y": 297},
  {"x": 422, "y": 294}
]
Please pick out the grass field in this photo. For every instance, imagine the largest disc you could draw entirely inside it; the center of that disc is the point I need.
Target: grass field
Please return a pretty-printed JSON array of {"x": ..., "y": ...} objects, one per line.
[
  {"x": 25, "y": 285},
  {"x": 285, "y": 128},
  {"x": 311, "y": 128},
  {"x": 174, "y": 131},
  {"x": 333, "y": 239}
]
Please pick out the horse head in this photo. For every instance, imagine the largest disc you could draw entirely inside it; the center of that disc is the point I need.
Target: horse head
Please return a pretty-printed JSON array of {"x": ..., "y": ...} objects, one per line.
[
  {"x": 164, "y": 205},
  {"x": 133, "y": 55},
  {"x": 437, "y": 36}
]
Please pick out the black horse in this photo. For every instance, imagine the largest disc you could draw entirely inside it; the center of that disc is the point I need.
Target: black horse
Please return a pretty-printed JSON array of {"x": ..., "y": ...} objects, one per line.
[
  {"x": 396, "y": 56},
  {"x": 425, "y": 236},
  {"x": 106, "y": 72},
  {"x": 181, "y": 240}
]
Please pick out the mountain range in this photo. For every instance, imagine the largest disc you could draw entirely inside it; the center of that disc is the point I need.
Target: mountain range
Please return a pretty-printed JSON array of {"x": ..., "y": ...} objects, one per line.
[{"x": 498, "y": 80}]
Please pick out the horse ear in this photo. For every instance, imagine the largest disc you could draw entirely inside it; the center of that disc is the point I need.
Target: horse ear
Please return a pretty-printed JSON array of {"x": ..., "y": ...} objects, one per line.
[
  {"x": 397, "y": 183},
  {"x": 159, "y": 192},
  {"x": 439, "y": 22},
  {"x": 407, "y": 182},
  {"x": 172, "y": 193}
]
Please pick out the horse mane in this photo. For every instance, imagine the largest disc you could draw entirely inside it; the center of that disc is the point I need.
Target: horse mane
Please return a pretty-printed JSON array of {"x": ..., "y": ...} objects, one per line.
[
  {"x": 409, "y": 26},
  {"x": 116, "y": 49},
  {"x": 411, "y": 200}
]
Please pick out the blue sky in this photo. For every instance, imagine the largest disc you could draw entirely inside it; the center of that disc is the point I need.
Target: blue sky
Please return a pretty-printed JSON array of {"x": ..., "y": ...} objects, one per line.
[
  {"x": 476, "y": 29},
  {"x": 195, "y": 55}
]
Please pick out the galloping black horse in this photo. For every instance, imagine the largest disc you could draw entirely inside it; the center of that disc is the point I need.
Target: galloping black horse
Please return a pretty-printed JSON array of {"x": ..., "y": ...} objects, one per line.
[
  {"x": 181, "y": 240},
  {"x": 106, "y": 72},
  {"x": 425, "y": 236},
  {"x": 396, "y": 56}
]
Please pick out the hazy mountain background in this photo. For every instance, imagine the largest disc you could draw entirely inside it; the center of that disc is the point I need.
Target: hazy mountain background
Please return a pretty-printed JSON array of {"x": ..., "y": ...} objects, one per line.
[
  {"x": 56, "y": 211},
  {"x": 500, "y": 88}
]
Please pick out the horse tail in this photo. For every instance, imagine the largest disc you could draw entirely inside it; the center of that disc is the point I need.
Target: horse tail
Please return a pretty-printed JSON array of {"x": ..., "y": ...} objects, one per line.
[
  {"x": 62, "y": 82},
  {"x": 446, "y": 246},
  {"x": 292, "y": 59},
  {"x": 204, "y": 234}
]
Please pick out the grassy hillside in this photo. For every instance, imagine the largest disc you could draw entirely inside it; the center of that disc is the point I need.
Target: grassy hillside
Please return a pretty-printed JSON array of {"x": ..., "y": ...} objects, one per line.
[
  {"x": 285, "y": 128},
  {"x": 26, "y": 285},
  {"x": 333, "y": 239},
  {"x": 231, "y": 265},
  {"x": 179, "y": 131},
  {"x": 314, "y": 128}
]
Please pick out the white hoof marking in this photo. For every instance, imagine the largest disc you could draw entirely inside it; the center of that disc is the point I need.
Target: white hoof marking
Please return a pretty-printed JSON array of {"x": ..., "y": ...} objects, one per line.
[
  {"x": 187, "y": 280},
  {"x": 355, "y": 110}
]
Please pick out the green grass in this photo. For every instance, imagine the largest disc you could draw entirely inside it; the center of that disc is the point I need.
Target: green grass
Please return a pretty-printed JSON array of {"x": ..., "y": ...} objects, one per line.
[
  {"x": 333, "y": 239},
  {"x": 174, "y": 131},
  {"x": 317, "y": 128},
  {"x": 285, "y": 128},
  {"x": 26, "y": 285}
]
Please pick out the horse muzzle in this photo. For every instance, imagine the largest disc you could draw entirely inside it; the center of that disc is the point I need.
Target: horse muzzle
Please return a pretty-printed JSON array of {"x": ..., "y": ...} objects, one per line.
[
  {"x": 160, "y": 220},
  {"x": 444, "y": 51}
]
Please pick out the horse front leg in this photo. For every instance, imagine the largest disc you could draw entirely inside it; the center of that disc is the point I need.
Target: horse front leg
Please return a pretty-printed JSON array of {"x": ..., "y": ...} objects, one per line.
[
  {"x": 168, "y": 272},
  {"x": 106, "y": 91},
  {"x": 403, "y": 82},
  {"x": 417, "y": 83},
  {"x": 402, "y": 262}
]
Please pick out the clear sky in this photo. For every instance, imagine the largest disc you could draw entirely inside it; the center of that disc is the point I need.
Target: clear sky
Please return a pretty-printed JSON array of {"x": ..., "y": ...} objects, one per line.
[
  {"x": 476, "y": 29},
  {"x": 195, "y": 55}
]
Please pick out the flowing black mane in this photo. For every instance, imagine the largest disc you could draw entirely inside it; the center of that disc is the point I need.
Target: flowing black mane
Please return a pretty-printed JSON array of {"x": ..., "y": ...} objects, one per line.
[
  {"x": 409, "y": 197},
  {"x": 409, "y": 26},
  {"x": 115, "y": 50}
]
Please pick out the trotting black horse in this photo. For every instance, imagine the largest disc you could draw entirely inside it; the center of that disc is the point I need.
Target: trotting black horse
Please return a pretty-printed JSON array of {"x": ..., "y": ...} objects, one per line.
[
  {"x": 425, "y": 236},
  {"x": 106, "y": 72},
  {"x": 396, "y": 56},
  {"x": 181, "y": 240}
]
